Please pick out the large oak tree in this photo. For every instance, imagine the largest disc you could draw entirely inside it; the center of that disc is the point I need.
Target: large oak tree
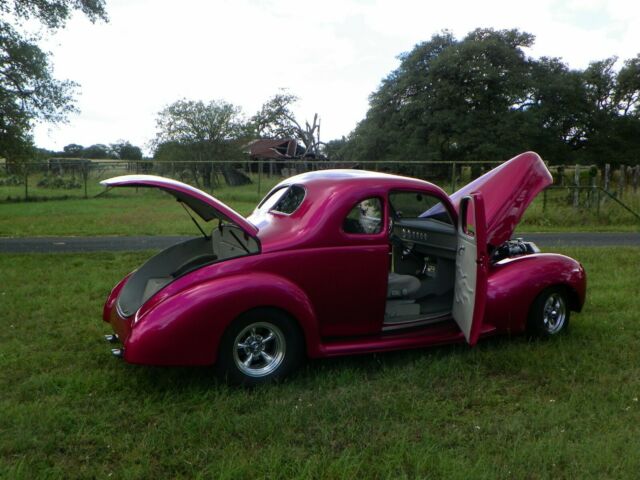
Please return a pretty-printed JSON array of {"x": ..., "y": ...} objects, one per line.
[{"x": 28, "y": 90}]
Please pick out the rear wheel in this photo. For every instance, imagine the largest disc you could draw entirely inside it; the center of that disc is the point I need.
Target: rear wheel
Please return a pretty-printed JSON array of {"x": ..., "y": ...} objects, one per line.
[
  {"x": 260, "y": 346},
  {"x": 549, "y": 314}
]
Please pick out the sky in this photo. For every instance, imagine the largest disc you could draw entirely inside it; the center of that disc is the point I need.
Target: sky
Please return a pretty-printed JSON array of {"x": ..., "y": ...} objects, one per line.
[{"x": 332, "y": 54}]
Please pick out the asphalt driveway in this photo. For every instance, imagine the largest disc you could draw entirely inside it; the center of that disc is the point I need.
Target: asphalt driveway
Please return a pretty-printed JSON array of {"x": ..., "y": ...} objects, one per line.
[{"x": 119, "y": 244}]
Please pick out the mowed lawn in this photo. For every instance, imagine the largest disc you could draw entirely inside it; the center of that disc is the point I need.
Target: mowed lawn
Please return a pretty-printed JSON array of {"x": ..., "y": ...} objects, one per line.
[
  {"x": 150, "y": 212},
  {"x": 508, "y": 408},
  {"x": 121, "y": 212}
]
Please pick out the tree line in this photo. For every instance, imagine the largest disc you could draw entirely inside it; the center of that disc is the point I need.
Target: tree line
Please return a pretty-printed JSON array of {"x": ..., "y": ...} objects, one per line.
[
  {"x": 483, "y": 98},
  {"x": 472, "y": 99}
]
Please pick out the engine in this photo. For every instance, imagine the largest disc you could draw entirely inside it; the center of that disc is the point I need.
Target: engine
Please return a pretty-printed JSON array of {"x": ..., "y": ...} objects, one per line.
[{"x": 513, "y": 248}]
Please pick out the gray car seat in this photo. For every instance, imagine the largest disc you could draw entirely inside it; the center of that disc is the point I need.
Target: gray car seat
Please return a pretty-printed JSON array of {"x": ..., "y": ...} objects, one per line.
[{"x": 402, "y": 286}]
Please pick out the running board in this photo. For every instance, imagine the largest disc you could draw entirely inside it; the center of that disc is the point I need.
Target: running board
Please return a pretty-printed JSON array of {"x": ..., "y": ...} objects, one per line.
[
  {"x": 409, "y": 321},
  {"x": 444, "y": 333}
]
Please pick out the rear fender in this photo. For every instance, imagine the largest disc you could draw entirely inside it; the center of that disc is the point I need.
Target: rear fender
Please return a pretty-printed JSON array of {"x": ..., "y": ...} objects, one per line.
[
  {"x": 514, "y": 283},
  {"x": 186, "y": 328}
]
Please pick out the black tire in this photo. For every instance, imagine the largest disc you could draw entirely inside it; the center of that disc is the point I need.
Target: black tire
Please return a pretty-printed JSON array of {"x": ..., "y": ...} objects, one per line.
[
  {"x": 273, "y": 348},
  {"x": 549, "y": 313}
]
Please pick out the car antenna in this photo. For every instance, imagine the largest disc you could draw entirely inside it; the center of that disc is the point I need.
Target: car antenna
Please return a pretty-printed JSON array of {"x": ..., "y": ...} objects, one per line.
[{"x": 206, "y": 237}]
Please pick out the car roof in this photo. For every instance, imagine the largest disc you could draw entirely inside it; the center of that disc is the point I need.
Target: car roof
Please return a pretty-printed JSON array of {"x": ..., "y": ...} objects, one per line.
[
  {"x": 346, "y": 178},
  {"x": 329, "y": 195}
]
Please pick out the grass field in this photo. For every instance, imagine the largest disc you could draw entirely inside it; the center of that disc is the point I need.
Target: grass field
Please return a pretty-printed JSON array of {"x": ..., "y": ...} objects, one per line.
[
  {"x": 509, "y": 408},
  {"x": 121, "y": 212},
  {"x": 149, "y": 212}
]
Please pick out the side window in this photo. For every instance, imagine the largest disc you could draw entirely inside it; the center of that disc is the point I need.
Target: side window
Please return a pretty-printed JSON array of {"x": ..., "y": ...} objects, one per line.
[
  {"x": 418, "y": 206},
  {"x": 364, "y": 218},
  {"x": 468, "y": 217}
]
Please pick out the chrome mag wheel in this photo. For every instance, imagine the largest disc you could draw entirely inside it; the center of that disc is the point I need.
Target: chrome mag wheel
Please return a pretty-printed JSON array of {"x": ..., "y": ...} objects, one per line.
[
  {"x": 259, "y": 349},
  {"x": 554, "y": 313}
]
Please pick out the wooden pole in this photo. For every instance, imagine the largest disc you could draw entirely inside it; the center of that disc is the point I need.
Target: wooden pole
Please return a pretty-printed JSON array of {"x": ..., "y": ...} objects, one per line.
[
  {"x": 85, "y": 175},
  {"x": 621, "y": 181},
  {"x": 636, "y": 178},
  {"x": 453, "y": 177},
  {"x": 593, "y": 189},
  {"x": 576, "y": 190},
  {"x": 607, "y": 176},
  {"x": 259, "y": 175},
  {"x": 26, "y": 181}
]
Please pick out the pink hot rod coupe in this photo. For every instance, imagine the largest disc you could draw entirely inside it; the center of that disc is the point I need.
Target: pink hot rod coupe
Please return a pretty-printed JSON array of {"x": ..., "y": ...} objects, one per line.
[{"x": 339, "y": 262}]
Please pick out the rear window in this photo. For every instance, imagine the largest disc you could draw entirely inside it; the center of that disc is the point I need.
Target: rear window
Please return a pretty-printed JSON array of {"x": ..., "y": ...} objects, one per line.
[{"x": 284, "y": 200}]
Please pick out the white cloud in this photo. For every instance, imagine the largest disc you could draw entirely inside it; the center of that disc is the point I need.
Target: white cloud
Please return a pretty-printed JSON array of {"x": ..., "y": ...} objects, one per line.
[{"x": 332, "y": 54}]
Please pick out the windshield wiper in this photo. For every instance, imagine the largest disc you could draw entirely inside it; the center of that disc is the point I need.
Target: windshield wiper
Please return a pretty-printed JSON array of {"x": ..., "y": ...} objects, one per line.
[{"x": 206, "y": 237}]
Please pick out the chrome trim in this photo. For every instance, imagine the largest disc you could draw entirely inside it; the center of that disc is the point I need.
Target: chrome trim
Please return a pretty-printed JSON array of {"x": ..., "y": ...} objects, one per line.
[{"x": 120, "y": 313}]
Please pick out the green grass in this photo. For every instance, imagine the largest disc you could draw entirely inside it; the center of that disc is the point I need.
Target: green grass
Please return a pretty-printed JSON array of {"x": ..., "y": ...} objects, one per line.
[
  {"x": 509, "y": 408},
  {"x": 148, "y": 212},
  {"x": 120, "y": 212},
  {"x": 560, "y": 215}
]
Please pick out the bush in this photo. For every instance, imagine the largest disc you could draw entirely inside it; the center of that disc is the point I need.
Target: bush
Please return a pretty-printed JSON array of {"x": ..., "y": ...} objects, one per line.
[
  {"x": 57, "y": 181},
  {"x": 11, "y": 181}
]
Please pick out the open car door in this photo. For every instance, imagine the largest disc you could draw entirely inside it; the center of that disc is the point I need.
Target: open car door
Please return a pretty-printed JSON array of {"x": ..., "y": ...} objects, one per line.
[{"x": 470, "y": 288}]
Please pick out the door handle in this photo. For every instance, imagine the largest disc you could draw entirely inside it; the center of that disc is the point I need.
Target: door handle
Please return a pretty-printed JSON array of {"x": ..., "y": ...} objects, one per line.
[{"x": 461, "y": 249}]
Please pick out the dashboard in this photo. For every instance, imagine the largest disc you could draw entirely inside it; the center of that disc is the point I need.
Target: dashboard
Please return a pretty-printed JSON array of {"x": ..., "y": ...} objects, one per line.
[{"x": 427, "y": 236}]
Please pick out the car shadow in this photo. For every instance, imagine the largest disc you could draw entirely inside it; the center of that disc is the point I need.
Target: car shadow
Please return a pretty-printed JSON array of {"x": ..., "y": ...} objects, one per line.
[{"x": 316, "y": 371}]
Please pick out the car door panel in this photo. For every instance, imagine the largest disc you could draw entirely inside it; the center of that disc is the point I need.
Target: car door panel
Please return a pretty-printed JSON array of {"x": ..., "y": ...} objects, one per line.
[{"x": 470, "y": 285}]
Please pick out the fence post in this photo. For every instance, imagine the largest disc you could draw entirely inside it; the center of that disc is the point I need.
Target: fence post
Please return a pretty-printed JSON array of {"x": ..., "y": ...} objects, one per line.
[
  {"x": 137, "y": 171},
  {"x": 607, "y": 176},
  {"x": 636, "y": 177},
  {"x": 544, "y": 200},
  {"x": 621, "y": 181},
  {"x": 576, "y": 191},
  {"x": 211, "y": 178},
  {"x": 84, "y": 179},
  {"x": 26, "y": 181},
  {"x": 259, "y": 175},
  {"x": 453, "y": 177}
]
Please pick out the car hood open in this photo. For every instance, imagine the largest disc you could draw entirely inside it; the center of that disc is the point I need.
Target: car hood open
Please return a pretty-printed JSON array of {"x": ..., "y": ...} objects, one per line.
[
  {"x": 203, "y": 204},
  {"x": 507, "y": 191}
]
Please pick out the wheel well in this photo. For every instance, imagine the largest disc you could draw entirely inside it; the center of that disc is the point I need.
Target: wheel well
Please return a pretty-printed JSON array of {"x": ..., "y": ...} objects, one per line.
[{"x": 572, "y": 296}]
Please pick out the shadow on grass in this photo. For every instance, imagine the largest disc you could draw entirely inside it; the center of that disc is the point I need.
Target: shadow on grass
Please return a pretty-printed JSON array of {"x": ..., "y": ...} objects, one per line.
[{"x": 338, "y": 370}]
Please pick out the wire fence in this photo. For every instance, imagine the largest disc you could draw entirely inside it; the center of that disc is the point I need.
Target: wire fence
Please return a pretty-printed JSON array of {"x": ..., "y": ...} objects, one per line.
[{"x": 597, "y": 190}]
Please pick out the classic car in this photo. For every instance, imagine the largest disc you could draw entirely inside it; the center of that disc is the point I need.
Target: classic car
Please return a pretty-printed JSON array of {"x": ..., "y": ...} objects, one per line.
[{"x": 340, "y": 262}]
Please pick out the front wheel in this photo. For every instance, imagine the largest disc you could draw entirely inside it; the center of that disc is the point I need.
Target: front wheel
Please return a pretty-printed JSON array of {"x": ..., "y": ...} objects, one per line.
[
  {"x": 549, "y": 314},
  {"x": 260, "y": 346}
]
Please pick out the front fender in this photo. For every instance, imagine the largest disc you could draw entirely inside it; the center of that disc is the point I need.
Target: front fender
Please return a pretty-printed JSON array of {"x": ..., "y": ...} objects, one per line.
[
  {"x": 186, "y": 328},
  {"x": 514, "y": 284}
]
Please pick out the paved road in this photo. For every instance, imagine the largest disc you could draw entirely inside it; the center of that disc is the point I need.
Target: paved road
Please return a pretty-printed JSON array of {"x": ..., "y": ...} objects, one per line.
[{"x": 119, "y": 244}]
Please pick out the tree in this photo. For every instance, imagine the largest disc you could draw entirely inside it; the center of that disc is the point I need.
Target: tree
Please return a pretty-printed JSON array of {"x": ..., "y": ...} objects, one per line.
[
  {"x": 28, "y": 90},
  {"x": 276, "y": 120},
  {"x": 97, "y": 152},
  {"x": 125, "y": 151},
  {"x": 73, "y": 150},
  {"x": 483, "y": 98},
  {"x": 200, "y": 133},
  {"x": 627, "y": 95}
]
